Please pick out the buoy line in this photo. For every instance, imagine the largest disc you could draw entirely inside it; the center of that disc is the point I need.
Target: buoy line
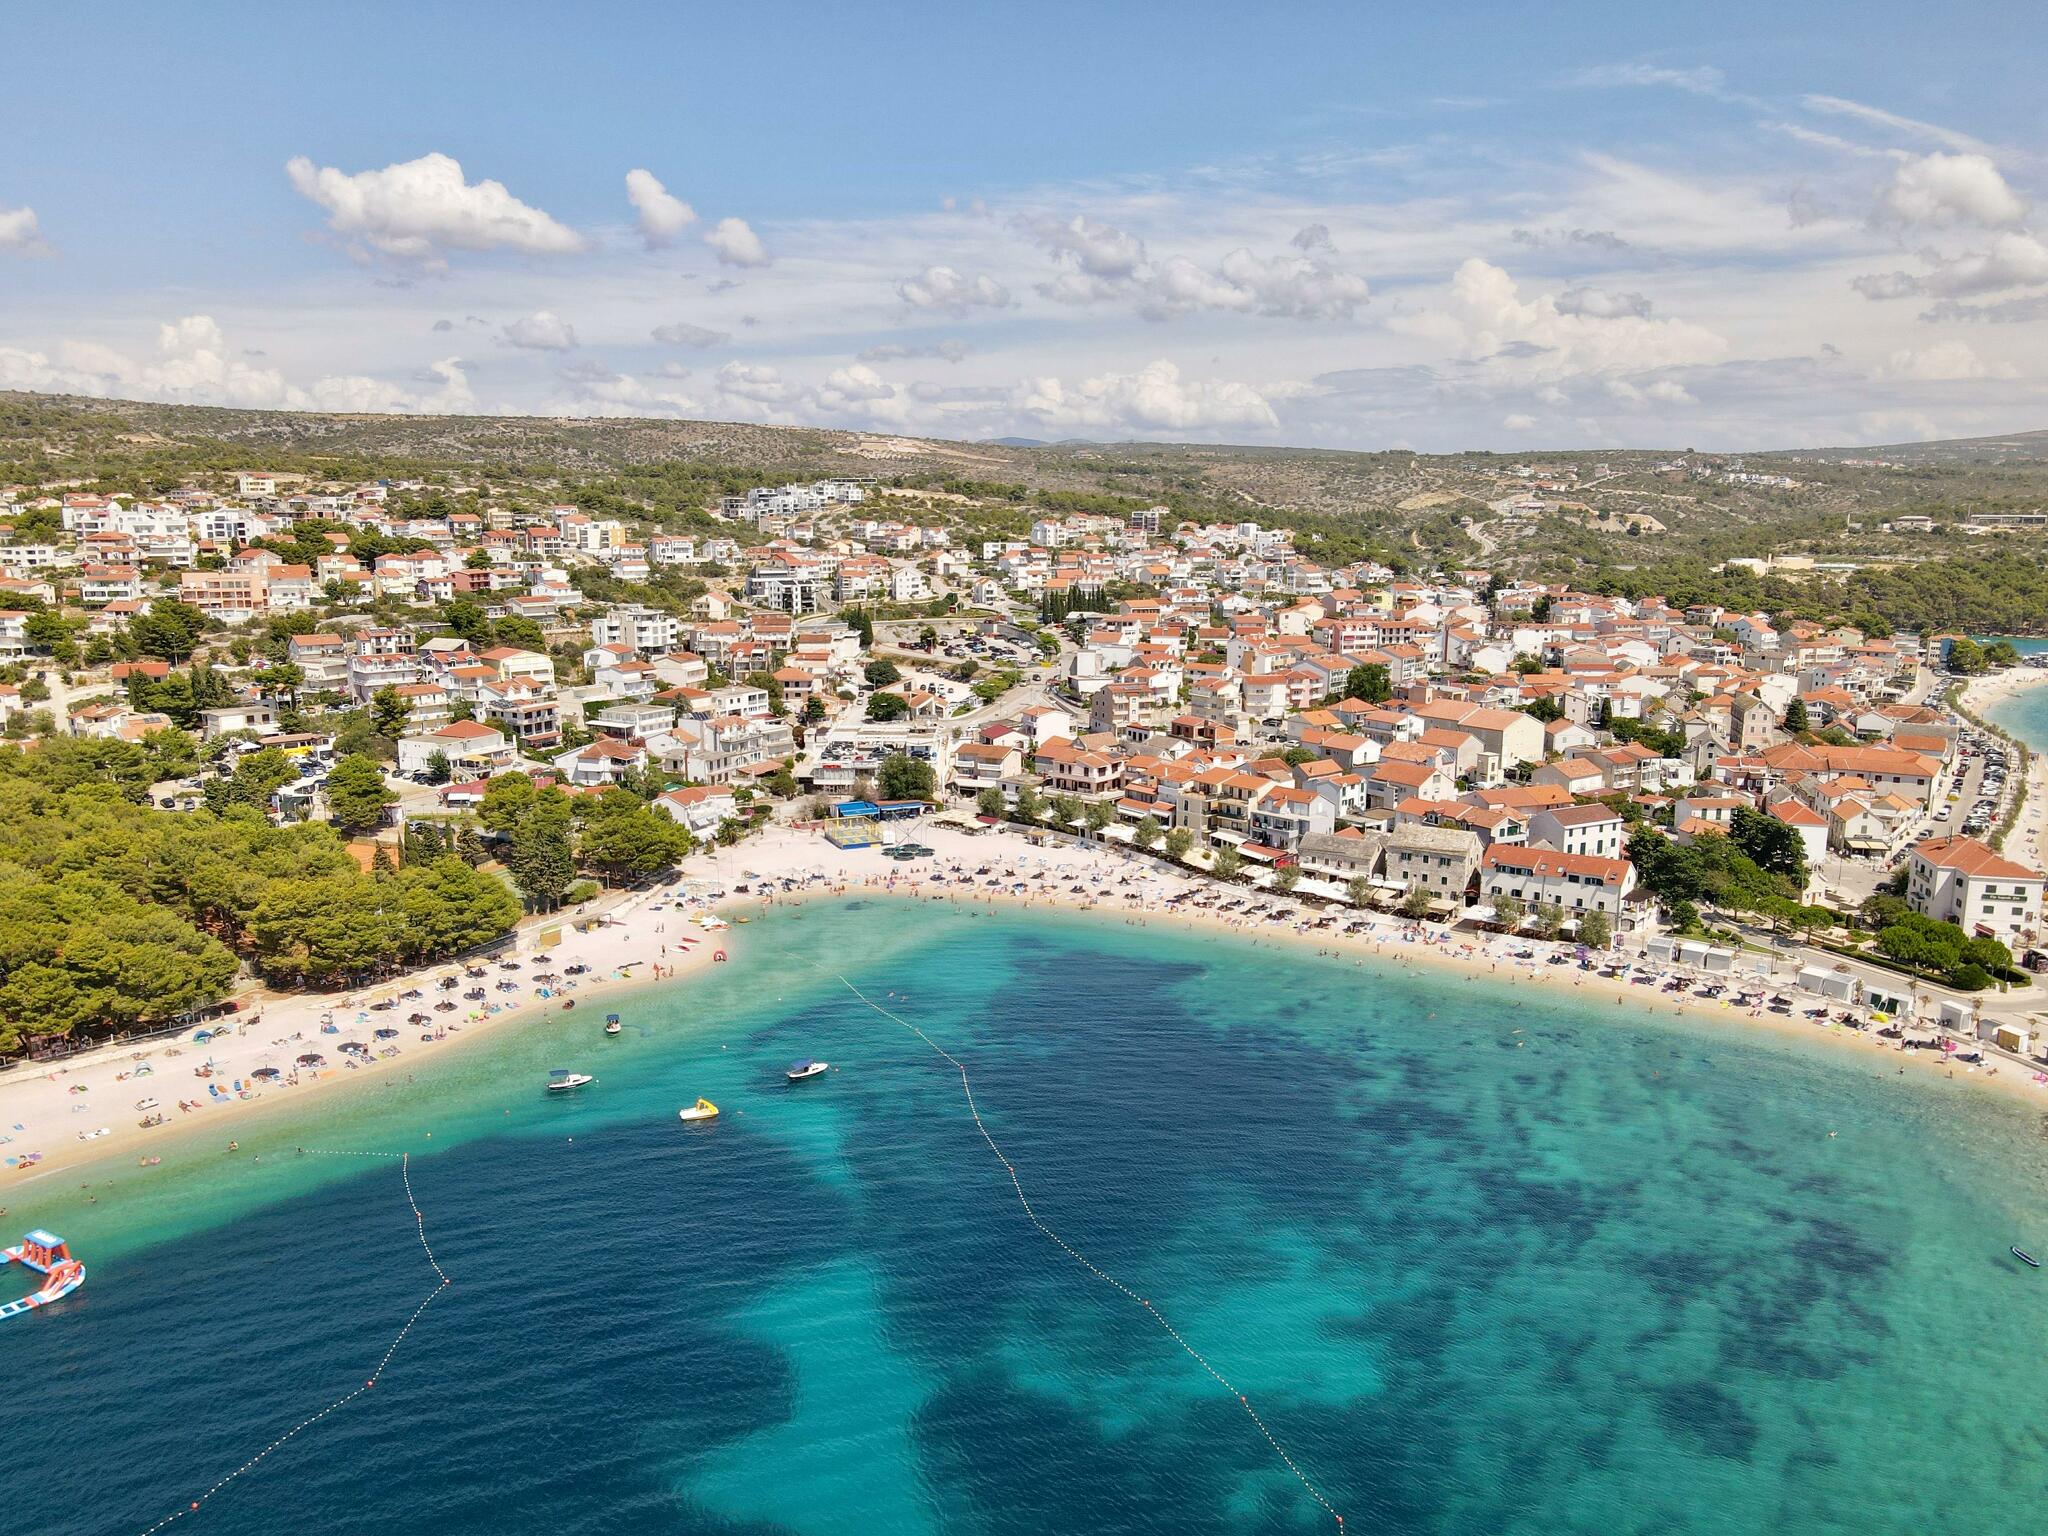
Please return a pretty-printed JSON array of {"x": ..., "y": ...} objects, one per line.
[
  {"x": 1082, "y": 1259},
  {"x": 442, "y": 1283}
]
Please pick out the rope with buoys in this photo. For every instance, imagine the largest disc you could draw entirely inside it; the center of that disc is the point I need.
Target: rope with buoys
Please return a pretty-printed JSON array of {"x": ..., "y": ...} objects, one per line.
[
  {"x": 1082, "y": 1259},
  {"x": 442, "y": 1282}
]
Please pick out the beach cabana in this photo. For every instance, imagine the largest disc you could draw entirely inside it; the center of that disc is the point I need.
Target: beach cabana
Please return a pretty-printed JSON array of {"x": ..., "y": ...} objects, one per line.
[{"x": 1834, "y": 982}]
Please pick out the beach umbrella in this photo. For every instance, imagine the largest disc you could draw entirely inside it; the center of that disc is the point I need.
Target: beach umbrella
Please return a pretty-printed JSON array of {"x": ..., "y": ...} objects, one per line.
[
  {"x": 387, "y": 1034},
  {"x": 312, "y": 1059},
  {"x": 266, "y": 1073}
]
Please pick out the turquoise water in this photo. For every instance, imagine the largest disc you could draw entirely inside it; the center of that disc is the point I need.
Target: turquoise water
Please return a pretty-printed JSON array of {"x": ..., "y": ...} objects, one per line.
[
  {"x": 1486, "y": 1258},
  {"x": 2026, "y": 714}
]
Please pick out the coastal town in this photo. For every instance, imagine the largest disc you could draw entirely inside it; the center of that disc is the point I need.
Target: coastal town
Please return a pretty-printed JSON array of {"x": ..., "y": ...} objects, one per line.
[{"x": 414, "y": 662}]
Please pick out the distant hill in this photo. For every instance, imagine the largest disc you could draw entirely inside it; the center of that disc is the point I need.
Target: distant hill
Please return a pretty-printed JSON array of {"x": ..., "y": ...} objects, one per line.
[
  {"x": 1563, "y": 511},
  {"x": 2010, "y": 448}
]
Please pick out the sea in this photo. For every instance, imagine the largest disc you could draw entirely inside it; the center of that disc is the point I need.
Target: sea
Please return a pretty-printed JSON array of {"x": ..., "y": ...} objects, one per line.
[
  {"x": 1480, "y": 1256},
  {"x": 2026, "y": 713}
]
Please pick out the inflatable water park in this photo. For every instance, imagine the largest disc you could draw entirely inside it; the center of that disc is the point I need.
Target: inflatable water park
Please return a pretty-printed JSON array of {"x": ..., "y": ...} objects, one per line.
[{"x": 47, "y": 1254}]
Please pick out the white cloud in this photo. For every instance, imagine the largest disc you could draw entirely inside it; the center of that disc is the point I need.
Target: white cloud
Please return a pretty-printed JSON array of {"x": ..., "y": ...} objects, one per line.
[
  {"x": 2013, "y": 260},
  {"x": 541, "y": 331},
  {"x": 661, "y": 216},
  {"x": 735, "y": 243},
  {"x": 680, "y": 333},
  {"x": 1937, "y": 189},
  {"x": 1598, "y": 304},
  {"x": 951, "y": 350},
  {"x": 944, "y": 288},
  {"x": 1897, "y": 426},
  {"x": 418, "y": 210},
  {"x": 1840, "y": 107},
  {"x": 1669, "y": 392},
  {"x": 1107, "y": 263},
  {"x": 597, "y": 391},
  {"x": 1517, "y": 422},
  {"x": 20, "y": 233},
  {"x": 1703, "y": 80},
  {"x": 194, "y": 364},
  {"x": 1539, "y": 336},
  {"x": 1154, "y": 399},
  {"x": 1945, "y": 361},
  {"x": 1097, "y": 249}
]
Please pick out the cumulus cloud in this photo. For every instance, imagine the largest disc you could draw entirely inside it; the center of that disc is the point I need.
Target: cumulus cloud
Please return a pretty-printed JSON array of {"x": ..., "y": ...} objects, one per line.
[
  {"x": 680, "y": 333},
  {"x": 1945, "y": 361},
  {"x": 20, "y": 233},
  {"x": 1104, "y": 263},
  {"x": 417, "y": 211},
  {"x": 594, "y": 390},
  {"x": 1313, "y": 237},
  {"x": 1595, "y": 239},
  {"x": 194, "y": 364},
  {"x": 1517, "y": 422},
  {"x": 2016, "y": 259},
  {"x": 541, "y": 331},
  {"x": 1154, "y": 399},
  {"x": 1940, "y": 189},
  {"x": 661, "y": 216},
  {"x": 1658, "y": 392},
  {"x": 944, "y": 288},
  {"x": 1098, "y": 250},
  {"x": 1598, "y": 304},
  {"x": 759, "y": 383},
  {"x": 734, "y": 242},
  {"x": 1488, "y": 314}
]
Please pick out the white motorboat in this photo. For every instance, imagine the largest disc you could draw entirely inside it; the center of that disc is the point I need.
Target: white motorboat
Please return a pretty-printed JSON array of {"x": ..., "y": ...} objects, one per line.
[
  {"x": 799, "y": 1070},
  {"x": 703, "y": 1109},
  {"x": 561, "y": 1080}
]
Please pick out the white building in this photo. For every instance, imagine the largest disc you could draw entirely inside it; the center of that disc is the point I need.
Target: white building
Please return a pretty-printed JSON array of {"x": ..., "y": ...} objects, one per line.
[{"x": 1962, "y": 881}]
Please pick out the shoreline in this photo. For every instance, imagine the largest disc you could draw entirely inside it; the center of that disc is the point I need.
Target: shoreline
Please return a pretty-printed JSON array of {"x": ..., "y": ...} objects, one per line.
[
  {"x": 55, "y": 1103},
  {"x": 1982, "y": 696},
  {"x": 46, "y": 1108}
]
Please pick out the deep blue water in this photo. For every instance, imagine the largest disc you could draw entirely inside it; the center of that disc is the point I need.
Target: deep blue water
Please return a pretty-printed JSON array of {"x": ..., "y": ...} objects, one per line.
[{"x": 1487, "y": 1260}]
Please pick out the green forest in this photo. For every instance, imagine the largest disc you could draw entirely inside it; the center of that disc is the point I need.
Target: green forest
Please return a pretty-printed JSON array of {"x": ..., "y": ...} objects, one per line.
[{"x": 115, "y": 915}]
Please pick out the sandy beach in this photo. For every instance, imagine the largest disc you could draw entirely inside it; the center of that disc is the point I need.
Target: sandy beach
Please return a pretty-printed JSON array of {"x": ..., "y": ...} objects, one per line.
[
  {"x": 1987, "y": 694},
  {"x": 116, "y": 1102}
]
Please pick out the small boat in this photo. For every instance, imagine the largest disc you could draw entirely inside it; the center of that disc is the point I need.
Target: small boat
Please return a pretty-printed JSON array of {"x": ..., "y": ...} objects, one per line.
[
  {"x": 560, "y": 1080},
  {"x": 799, "y": 1070},
  {"x": 2025, "y": 1257},
  {"x": 611, "y": 1024},
  {"x": 703, "y": 1109}
]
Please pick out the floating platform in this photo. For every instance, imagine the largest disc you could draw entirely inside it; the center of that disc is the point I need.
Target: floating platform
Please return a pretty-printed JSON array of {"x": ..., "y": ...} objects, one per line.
[{"x": 49, "y": 1256}]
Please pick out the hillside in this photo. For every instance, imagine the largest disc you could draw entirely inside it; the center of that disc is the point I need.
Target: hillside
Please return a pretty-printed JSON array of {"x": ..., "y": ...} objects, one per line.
[{"x": 1556, "y": 511}]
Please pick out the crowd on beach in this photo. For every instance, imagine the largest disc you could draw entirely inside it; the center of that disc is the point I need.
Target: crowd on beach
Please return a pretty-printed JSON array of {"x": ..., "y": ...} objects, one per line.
[
  {"x": 107, "y": 1100},
  {"x": 293, "y": 1043}
]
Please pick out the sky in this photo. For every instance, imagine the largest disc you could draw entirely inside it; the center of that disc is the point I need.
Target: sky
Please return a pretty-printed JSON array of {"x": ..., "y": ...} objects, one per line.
[{"x": 1514, "y": 227}]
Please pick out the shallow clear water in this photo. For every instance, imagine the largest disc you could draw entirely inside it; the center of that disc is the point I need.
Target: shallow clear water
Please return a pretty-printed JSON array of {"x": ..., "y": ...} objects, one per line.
[
  {"x": 1487, "y": 1258},
  {"x": 2026, "y": 713}
]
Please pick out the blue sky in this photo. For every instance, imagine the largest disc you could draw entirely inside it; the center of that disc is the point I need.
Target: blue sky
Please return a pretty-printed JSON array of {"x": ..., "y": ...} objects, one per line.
[{"x": 1356, "y": 226}]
